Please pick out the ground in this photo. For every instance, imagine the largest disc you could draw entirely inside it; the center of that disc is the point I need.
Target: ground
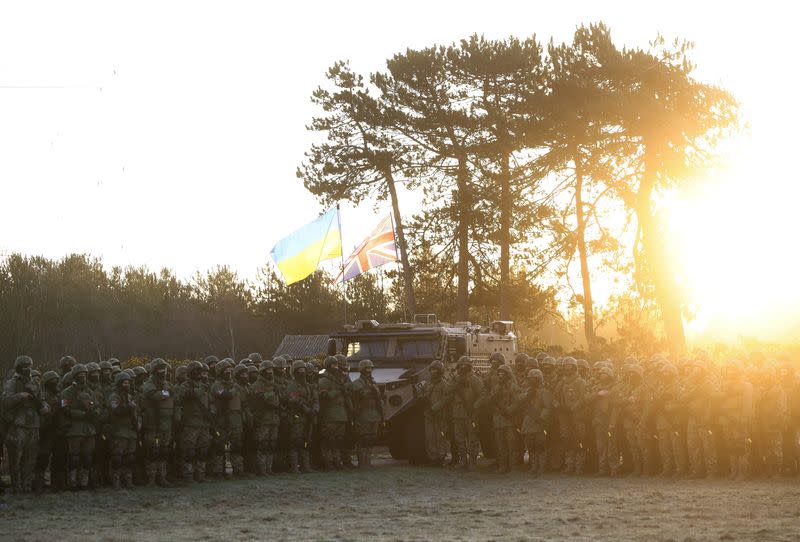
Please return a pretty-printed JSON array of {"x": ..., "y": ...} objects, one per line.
[{"x": 396, "y": 501}]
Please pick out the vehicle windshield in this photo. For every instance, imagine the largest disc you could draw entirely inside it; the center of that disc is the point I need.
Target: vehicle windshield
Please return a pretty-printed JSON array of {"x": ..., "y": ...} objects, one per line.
[{"x": 394, "y": 349}]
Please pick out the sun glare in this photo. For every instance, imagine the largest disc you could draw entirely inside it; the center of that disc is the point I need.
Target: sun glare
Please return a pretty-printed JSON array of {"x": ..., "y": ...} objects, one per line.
[{"x": 734, "y": 236}]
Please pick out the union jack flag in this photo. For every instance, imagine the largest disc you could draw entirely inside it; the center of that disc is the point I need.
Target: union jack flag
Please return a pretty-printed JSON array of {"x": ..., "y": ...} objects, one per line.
[{"x": 374, "y": 251}]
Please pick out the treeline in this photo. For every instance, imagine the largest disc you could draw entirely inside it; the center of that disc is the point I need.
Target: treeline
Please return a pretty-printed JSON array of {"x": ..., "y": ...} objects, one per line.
[
  {"x": 74, "y": 306},
  {"x": 530, "y": 157}
]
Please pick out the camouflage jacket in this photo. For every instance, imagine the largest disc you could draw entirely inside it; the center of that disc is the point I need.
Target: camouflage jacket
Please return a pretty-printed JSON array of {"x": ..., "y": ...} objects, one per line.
[{"x": 367, "y": 400}]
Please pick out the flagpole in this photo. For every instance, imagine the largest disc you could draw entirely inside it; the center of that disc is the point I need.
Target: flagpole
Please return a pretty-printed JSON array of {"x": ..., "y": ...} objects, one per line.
[
  {"x": 341, "y": 257},
  {"x": 400, "y": 275}
]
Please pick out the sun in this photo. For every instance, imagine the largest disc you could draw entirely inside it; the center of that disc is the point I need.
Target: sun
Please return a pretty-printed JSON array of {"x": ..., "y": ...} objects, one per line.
[{"x": 735, "y": 238}]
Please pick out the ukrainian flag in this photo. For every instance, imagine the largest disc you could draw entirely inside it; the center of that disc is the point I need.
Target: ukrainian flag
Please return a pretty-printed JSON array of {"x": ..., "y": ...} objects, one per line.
[{"x": 299, "y": 254}]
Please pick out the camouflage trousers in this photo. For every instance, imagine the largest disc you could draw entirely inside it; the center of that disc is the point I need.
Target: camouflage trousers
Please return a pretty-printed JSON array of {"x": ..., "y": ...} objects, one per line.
[
  {"x": 80, "y": 453},
  {"x": 702, "y": 449},
  {"x": 468, "y": 445},
  {"x": 194, "y": 445},
  {"x": 22, "y": 444},
  {"x": 772, "y": 449},
  {"x": 536, "y": 443},
  {"x": 436, "y": 444},
  {"x": 505, "y": 439},
  {"x": 671, "y": 450},
  {"x": 266, "y": 442},
  {"x": 366, "y": 434},
  {"x": 232, "y": 439},
  {"x": 573, "y": 437},
  {"x": 737, "y": 444},
  {"x": 332, "y": 442},
  {"x": 606, "y": 446},
  {"x": 637, "y": 445},
  {"x": 122, "y": 452}
]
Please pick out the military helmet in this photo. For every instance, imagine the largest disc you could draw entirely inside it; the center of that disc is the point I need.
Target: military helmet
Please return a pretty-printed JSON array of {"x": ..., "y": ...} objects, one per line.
[
  {"x": 114, "y": 362},
  {"x": 78, "y": 368},
  {"x": 49, "y": 376},
  {"x": 66, "y": 360},
  {"x": 194, "y": 366},
  {"x": 22, "y": 361},
  {"x": 105, "y": 365},
  {"x": 223, "y": 366},
  {"x": 464, "y": 360},
  {"x": 121, "y": 377},
  {"x": 245, "y": 362},
  {"x": 540, "y": 356},
  {"x": 266, "y": 364},
  {"x": 297, "y": 365},
  {"x": 158, "y": 364},
  {"x": 280, "y": 363},
  {"x": 669, "y": 370},
  {"x": 181, "y": 370},
  {"x": 252, "y": 369},
  {"x": 139, "y": 370},
  {"x": 436, "y": 366},
  {"x": 605, "y": 371},
  {"x": 35, "y": 374},
  {"x": 211, "y": 360},
  {"x": 130, "y": 371},
  {"x": 311, "y": 368},
  {"x": 239, "y": 369},
  {"x": 341, "y": 358},
  {"x": 582, "y": 363},
  {"x": 535, "y": 373},
  {"x": 569, "y": 361},
  {"x": 635, "y": 368},
  {"x": 497, "y": 357},
  {"x": 115, "y": 369},
  {"x": 92, "y": 367},
  {"x": 521, "y": 358},
  {"x": 255, "y": 357},
  {"x": 549, "y": 361},
  {"x": 330, "y": 361},
  {"x": 205, "y": 366},
  {"x": 364, "y": 364},
  {"x": 505, "y": 369}
]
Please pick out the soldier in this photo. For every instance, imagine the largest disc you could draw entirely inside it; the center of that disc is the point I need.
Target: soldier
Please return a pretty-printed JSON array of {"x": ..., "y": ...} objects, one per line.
[
  {"x": 463, "y": 392},
  {"x": 571, "y": 394},
  {"x": 668, "y": 423},
  {"x": 631, "y": 409},
  {"x": 23, "y": 405},
  {"x": 501, "y": 401},
  {"x": 281, "y": 382},
  {"x": 433, "y": 394},
  {"x": 333, "y": 417},
  {"x": 348, "y": 442},
  {"x": 736, "y": 413},
  {"x": 100, "y": 467},
  {"x": 252, "y": 373},
  {"x": 697, "y": 394},
  {"x": 228, "y": 400},
  {"x": 158, "y": 398},
  {"x": 600, "y": 398},
  {"x": 65, "y": 365},
  {"x": 80, "y": 414},
  {"x": 124, "y": 421},
  {"x": 211, "y": 362},
  {"x": 536, "y": 405},
  {"x": 773, "y": 420},
  {"x": 106, "y": 377},
  {"x": 264, "y": 399},
  {"x": 300, "y": 410},
  {"x": 48, "y": 433},
  {"x": 197, "y": 429},
  {"x": 367, "y": 410}
]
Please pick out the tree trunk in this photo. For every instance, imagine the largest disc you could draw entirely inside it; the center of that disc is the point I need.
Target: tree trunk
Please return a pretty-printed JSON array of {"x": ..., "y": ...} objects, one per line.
[
  {"x": 408, "y": 275},
  {"x": 505, "y": 234},
  {"x": 580, "y": 233},
  {"x": 462, "y": 240},
  {"x": 666, "y": 289}
]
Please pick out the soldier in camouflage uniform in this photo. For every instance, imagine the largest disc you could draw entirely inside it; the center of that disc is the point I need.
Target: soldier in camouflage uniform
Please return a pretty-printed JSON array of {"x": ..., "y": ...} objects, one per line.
[
  {"x": 80, "y": 414},
  {"x": 500, "y": 399},
  {"x": 600, "y": 399},
  {"x": 631, "y": 408},
  {"x": 736, "y": 414},
  {"x": 228, "y": 399},
  {"x": 463, "y": 392},
  {"x": 536, "y": 405},
  {"x": 433, "y": 395},
  {"x": 333, "y": 417},
  {"x": 265, "y": 402},
  {"x": 100, "y": 467},
  {"x": 772, "y": 418},
  {"x": 669, "y": 423},
  {"x": 23, "y": 404},
  {"x": 301, "y": 410},
  {"x": 123, "y": 420},
  {"x": 160, "y": 414},
  {"x": 572, "y": 422},
  {"x": 348, "y": 442},
  {"x": 282, "y": 381},
  {"x": 696, "y": 394},
  {"x": 368, "y": 411},
  {"x": 48, "y": 432},
  {"x": 196, "y": 431}
]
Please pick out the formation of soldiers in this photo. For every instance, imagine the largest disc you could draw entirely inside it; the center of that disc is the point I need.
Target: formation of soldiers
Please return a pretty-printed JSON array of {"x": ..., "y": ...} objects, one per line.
[
  {"x": 95, "y": 424},
  {"x": 689, "y": 418}
]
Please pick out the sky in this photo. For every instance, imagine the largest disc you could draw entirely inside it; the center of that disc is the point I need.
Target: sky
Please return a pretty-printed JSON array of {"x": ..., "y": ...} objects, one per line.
[{"x": 168, "y": 133}]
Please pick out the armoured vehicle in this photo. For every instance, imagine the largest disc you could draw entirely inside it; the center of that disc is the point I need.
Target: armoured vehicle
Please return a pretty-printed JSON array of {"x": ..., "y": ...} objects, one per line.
[{"x": 402, "y": 353}]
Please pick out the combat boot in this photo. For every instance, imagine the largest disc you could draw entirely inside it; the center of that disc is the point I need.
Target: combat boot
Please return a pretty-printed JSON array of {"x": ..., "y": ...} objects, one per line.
[
  {"x": 38, "y": 483},
  {"x": 472, "y": 461},
  {"x": 188, "y": 472},
  {"x": 269, "y": 458},
  {"x": 83, "y": 476},
  {"x": 72, "y": 480},
  {"x": 200, "y": 471},
  {"x": 151, "y": 471},
  {"x": 127, "y": 479},
  {"x": 115, "y": 479}
]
